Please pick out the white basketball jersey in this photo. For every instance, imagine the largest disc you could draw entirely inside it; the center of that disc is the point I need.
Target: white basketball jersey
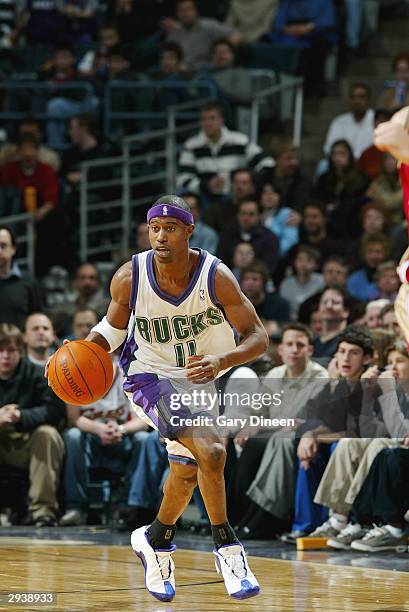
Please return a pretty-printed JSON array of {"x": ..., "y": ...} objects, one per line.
[{"x": 165, "y": 330}]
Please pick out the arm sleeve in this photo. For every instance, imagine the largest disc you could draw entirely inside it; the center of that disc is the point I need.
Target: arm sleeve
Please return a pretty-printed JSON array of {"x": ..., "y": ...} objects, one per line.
[
  {"x": 187, "y": 178},
  {"x": 51, "y": 186},
  {"x": 36, "y": 297},
  {"x": 220, "y": 30},
  {"x": 395, "y": 422},
  {"x": 288, "y": 235},
  {"x": 370, "y": 425},
  {"x": 257, "y": 160}
]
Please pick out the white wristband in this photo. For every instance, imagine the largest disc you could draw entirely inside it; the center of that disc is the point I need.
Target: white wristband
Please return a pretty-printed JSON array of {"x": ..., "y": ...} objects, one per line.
[{"x": 115, "y": 337}]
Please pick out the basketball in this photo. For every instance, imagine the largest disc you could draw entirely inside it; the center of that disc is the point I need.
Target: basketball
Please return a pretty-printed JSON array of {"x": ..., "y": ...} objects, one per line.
[{"x": 80, "y": 372}]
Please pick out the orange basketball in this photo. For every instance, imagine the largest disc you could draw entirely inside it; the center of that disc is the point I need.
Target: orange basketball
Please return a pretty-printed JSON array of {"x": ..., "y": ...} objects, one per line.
[{"x": 80, "y": 372}]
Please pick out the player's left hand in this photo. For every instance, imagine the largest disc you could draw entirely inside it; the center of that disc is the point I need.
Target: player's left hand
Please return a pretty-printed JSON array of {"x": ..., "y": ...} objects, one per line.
[{"x": 203, "y": 368}]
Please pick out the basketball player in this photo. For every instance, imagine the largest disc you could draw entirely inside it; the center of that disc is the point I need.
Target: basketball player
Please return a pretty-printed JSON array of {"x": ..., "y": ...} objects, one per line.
[
  {"x": 393, "y": 137},
  {"x": 179, "y": 305}
]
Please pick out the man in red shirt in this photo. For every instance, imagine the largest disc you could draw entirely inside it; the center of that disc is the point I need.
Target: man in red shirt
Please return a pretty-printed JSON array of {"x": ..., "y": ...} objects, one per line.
[
  {"x": 29, "y": 172},
  {"x": 39, "y": 190}
]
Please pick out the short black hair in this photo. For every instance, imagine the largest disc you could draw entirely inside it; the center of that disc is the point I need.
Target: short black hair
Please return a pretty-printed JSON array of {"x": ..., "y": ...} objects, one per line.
[
  {"x": 172, "y": 47},
  {"x": 85, "y": 309},
  {"x": 317, "y": 205},
  {"x": 256, "y": 267},
  {"x": 383, "y": 112},
  {"x": 223, "y": 41},
  {"x": 335, "y": 259},
  {"x": 299, "y": 327},
  {"x": 28, "y": 120},
  {"x": 240, "y": 170},
  {"x": 309, "y": 251},
  {"x": 248, "y": 199},
  {"x": 212, "y": 106},
  {"x": 28, "y": 139},
  {"x": 86, "y": 120},
  {"x": 346, "y": 298},
  {"x": 360, "y": 85},
  {"x": 8, "y": 229},
  {"x": 358, "y": 335},
  {"x": 64, "y": 47},
  {"x": 195, "y": 196},
  {"x": 172, "y": 200}
]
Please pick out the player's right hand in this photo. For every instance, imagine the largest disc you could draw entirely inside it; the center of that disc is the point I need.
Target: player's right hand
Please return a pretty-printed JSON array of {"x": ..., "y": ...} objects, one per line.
[{"x": 47, "y": 365}]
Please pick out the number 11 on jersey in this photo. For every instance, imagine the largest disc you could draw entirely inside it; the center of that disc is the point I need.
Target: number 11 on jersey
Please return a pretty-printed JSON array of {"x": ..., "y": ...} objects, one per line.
[{"x": 180, "y": 350}]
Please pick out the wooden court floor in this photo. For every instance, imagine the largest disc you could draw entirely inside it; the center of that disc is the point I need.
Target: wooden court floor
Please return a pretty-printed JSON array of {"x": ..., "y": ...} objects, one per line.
[{"x": 110, "y": 578}]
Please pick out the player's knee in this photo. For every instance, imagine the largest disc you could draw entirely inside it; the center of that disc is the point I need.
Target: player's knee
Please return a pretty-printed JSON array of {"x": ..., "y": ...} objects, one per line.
[
  {"x": 213, "y": 457},
  {"x": 184, "y": 478}
]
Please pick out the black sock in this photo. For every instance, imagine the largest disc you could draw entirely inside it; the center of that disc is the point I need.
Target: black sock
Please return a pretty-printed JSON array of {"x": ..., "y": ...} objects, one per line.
[
  {"x": 160, "y": 535},
  {"x": 223, "y": 534}
]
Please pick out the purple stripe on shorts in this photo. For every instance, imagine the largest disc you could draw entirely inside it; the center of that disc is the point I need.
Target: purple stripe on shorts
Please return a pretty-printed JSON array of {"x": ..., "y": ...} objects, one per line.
[
  {"x": 182, "y": 460},
  {"x": 154, "y": 396},
  {"x": 128, "y": 354}
]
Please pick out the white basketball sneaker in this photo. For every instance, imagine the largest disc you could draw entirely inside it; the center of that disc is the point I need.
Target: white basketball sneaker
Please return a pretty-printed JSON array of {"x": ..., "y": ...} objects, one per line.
[
  {"x": 231, "y": 563},
  {"x": 158, "y": 565}
]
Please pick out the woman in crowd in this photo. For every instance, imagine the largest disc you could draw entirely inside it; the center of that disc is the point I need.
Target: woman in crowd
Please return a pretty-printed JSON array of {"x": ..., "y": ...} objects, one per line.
[{"x": 342, "y": 189}]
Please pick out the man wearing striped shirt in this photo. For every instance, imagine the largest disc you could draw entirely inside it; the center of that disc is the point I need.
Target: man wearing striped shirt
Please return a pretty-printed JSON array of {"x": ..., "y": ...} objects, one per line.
[{"x": 208, "y": 159}]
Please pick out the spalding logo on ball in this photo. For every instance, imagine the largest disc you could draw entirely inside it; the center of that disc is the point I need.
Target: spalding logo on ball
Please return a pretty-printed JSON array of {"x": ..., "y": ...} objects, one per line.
[{"x": 80, "y": 372}]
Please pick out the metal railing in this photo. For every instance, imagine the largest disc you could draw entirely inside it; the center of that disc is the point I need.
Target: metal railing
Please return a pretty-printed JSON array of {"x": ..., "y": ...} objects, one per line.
[
  {"x": 147, "y": 168},
  {"x": 44, "y": 88},
  {"x": 290, "y": 83},
  {"x": 159, "y": 170},
  {"x": 25, "y": 239},
  {"x": 192, "y": 89}
]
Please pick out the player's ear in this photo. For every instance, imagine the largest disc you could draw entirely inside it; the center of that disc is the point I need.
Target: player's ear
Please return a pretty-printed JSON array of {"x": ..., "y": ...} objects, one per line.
[{"x": 189, "y": 230}]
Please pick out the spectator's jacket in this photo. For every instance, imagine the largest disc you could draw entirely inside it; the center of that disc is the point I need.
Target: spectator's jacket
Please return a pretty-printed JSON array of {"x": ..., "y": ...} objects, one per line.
[
  {"x": 385, "y": 414},
  {"x": 320, "y": 12},
  {"x": 264, "y": 243},
  {"x": 287, "y": 235},
  {"x": 44, "y": 180},
  {"x": 202, "y": 159},
  {"x": 360, "y": 286},
  {"x": 38, "y": 404},
  {"x": 359, "y": 134},
  {"x": 337, "y": 409},
  {"x": 325, "y": 348},
  {"x": 20, "y": 295},
  {"x": 204, "y": 237},
  {"x": 295, "y": 189}
]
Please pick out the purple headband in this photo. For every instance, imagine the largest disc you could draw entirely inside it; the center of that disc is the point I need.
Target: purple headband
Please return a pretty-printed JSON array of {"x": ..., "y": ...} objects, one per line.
[{"x": 167, "y": 210}]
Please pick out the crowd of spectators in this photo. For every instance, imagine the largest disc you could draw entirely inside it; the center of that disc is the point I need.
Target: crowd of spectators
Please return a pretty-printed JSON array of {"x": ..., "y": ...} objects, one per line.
[{"x": 316, "y": 255}]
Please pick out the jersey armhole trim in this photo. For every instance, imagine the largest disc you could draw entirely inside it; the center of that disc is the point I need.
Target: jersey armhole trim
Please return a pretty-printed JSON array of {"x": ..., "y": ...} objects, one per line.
[
  {"x": 135, "y": 282},
  {"x": 211, "y": 281}
]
